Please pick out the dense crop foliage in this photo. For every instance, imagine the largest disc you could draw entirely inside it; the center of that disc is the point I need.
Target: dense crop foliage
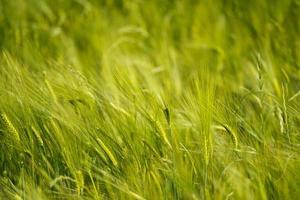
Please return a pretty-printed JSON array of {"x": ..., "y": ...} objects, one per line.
[{"x": 149, "y": 99}]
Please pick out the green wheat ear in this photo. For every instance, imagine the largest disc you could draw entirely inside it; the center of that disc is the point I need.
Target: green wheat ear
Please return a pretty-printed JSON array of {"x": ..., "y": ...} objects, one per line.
[
  {"x": 9, "y": 125},
  {"x": 79, "y": 181},
  {"x": 228, "y": 129},
  {"x": 38, "y": 136},
  {"x": 232, "y": 133},
  {"x": 206, "y": 151}
]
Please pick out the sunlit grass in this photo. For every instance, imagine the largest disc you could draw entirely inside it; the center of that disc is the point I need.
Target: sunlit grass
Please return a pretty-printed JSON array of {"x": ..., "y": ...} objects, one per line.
[{"x": 149, "y": 99}]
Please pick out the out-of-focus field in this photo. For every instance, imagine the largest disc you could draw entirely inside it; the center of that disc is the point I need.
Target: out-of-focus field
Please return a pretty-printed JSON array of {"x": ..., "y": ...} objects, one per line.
[{"x": 149, "y": 99}]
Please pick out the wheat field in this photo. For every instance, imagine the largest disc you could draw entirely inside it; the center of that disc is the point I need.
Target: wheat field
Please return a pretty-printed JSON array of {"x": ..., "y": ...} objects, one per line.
[{"x": 149, "y": 99}]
